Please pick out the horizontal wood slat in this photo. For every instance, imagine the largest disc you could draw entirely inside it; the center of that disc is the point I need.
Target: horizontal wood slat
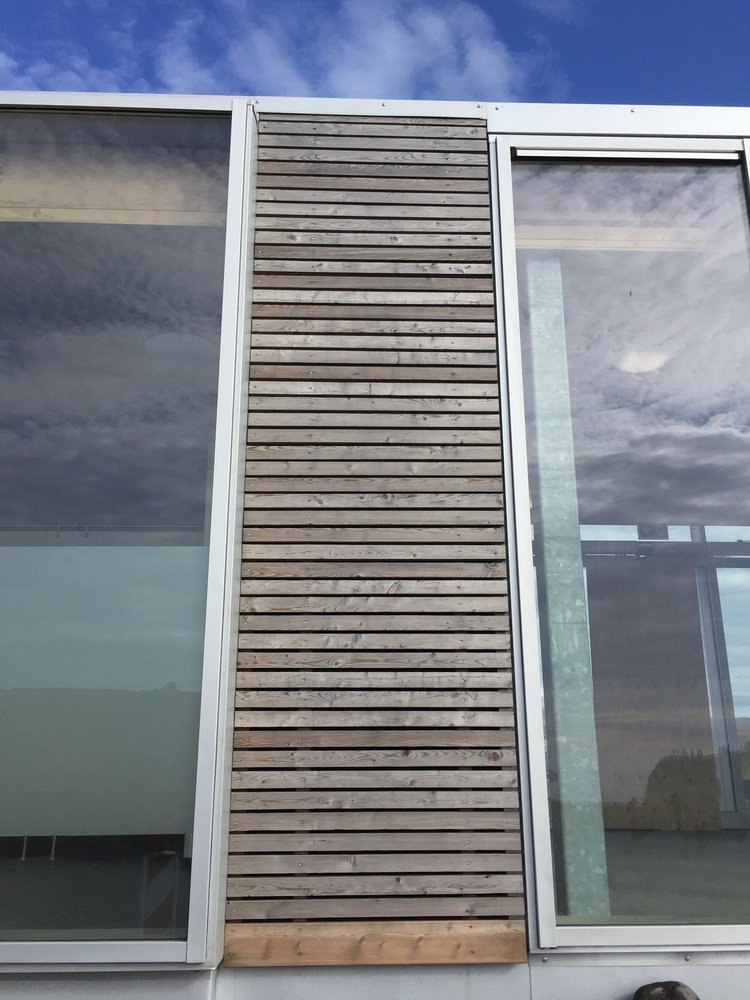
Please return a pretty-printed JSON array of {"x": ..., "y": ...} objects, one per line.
[
  {"x": 428, "y": 942},
  {"x": 379, "y": 863},
  {"x": 386, "y": 820},
  {"x": 343, "y": 908},
  {"x": 375, "y": 771},
  {"x": 243, "y": 844}
]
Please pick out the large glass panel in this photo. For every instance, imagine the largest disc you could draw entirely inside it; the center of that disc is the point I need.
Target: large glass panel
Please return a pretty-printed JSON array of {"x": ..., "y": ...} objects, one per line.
[
  {"x": 635, "y": 287},
  {"x": 111, "y": 261}
]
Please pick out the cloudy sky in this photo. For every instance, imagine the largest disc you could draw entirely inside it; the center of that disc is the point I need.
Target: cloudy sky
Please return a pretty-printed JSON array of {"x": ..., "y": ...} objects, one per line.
[{"x": 611, "y": 51}]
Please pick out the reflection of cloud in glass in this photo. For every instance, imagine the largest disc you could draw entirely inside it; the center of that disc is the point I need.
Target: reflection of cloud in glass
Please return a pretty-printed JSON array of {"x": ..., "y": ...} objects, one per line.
[
  {"x": 107, "y": 372},
  {"x": 658, "y": 351}
]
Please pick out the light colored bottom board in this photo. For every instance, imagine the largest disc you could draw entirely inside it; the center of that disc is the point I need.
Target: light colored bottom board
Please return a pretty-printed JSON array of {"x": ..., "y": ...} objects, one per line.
[{"x": 404, "y": 942}]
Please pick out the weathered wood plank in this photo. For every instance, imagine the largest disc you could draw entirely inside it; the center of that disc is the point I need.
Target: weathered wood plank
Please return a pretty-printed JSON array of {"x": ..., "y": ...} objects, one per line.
[
  {"x": 279, "y": 886},
  {"x": 373, "y": 864},
  {"x": 375, "y": 569},
  {"x": 344, "y": 909},
  {"x": 390, "y": 210},
  {"x": 373, "y": 516},
  {"x": 370, "y": 142},
  {"x": 384, "y": 551},
  {"x": 374, "y": 679},
  {"x": 369, "y": 603},
  {"x": 320, "y": 371},
  {"x": 375, "y": 943},
  {"x": 342, "y": 388},
  {"x": 490, "y": 641},
  {"x": 373, "y": 239},
  {"x": 386, "y": 452},
  {"x": 366, "y": 719},
  {"x": 383, "y": 342},
  {"x": 338, "y": 779},
  {"x": 394, "y": 502},
  {"x": 401, "y": 253},
  {"x": 299, "y": 407},
  {"x": 397, "y": 327},
  {"x": 361, "y": 132},
  {"x": 333, "y": 476},
  {"x": 456, "y": 163},
  {"x": 375, "y": 534},
  {"x": 371, "y": 127},
  {"x": 365, "y": 419},
  {"x": 389, "y": 185},
  {"x": 294, "y": 699},
  {"x": 367, "y": 352},
  {"x": 363, "y": 269},
  {"x": 417, "y": 798},
  {"x": 371, "y": 821},
  {"x": 363, "y": 660},
  {"x": 373, "y": 641},
  {"x": 385, "y": 587},
  {"x": 363, "y": 197},
  {"x": 375, "y": 758},
  {"x": 316, "y": 165},
  {"x": 378, "y": 469},
  {"x": 369, "y": 355},
  {"x": 424, "y": 840},
  {"x": 429, "y": 487},
  {"x": 376, "y": 225}
]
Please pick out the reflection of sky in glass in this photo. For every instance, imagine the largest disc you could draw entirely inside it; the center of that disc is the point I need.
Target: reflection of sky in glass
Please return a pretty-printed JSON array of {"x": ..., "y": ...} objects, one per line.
[
  {"x": 657, "y": 339},
  {"x": 109, "y": 332},
  {"x": 734, "y": 590},
  {"x": 111, "y": 265},
  {"x": 128, "y": 618},
  {"x": 108, "y": 362}
]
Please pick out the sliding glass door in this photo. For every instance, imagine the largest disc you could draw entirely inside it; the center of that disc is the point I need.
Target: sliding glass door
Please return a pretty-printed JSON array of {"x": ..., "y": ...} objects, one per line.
[{"x": 634, "y": 282}]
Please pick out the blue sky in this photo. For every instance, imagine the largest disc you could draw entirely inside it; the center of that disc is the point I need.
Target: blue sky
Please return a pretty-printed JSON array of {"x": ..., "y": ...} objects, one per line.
[{"x": 598, "y": 51}]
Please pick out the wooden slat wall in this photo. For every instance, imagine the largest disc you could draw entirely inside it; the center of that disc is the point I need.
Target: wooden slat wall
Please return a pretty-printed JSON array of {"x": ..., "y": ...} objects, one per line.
[{"x": 375, "y": 806}]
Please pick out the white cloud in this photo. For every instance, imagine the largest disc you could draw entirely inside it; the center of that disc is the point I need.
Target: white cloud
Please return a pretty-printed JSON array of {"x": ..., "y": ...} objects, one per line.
[
  {"x": 178, "y": 63},
  {"x": 426, "y": 49},
  {"x": 69, "y": 66},
  {"x": 394, "y": 49}
]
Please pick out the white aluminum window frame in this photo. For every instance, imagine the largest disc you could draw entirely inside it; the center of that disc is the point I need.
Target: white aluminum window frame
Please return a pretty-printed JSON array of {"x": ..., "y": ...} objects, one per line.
[
  {"x": 203, "y": 946},
  {"x": 545, "y": 932}
]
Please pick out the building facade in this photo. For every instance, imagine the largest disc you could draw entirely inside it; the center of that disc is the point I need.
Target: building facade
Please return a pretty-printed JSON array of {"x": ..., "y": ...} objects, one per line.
[{"x": 376, "y": 548}]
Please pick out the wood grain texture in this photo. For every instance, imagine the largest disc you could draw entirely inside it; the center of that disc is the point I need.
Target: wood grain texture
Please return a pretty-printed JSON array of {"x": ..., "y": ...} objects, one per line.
[
  {"x": 428, "y": 942},
  {"x": 317, "y": 779},
  {"x": 434, "y": 841},
  {"x": 374, "y": 767},
  {"x": 384, "y": 820},
  {"x": 343, "y": 908}
]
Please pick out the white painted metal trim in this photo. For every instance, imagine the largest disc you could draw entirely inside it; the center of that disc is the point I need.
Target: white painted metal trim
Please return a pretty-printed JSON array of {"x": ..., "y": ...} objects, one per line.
[
  {"x": 641, "y": 146},
  {"x": 522, "y": 588},
  {"x": 648, "y": 938},
  {"x": 222, "y": 602},
  {"x": 617, "y": 120},
  {"x": 521, "y": 711},
  {"x": 344, "y": 106},
  {"x": 29, "y": 954}
]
